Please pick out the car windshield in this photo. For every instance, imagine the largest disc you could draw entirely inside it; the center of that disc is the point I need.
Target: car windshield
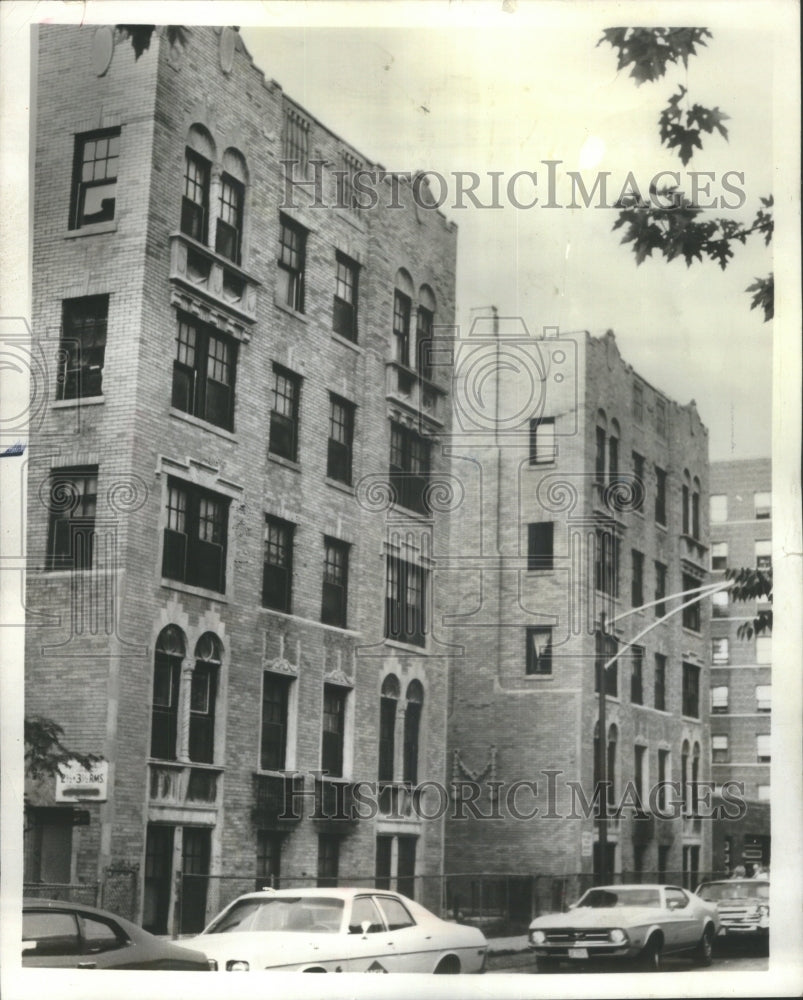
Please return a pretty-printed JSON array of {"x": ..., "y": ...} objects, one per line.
[
  {"x": 319, "y": 914},
  {"x": 608, "y": 898},
  {"x": 713, "y": 892}
]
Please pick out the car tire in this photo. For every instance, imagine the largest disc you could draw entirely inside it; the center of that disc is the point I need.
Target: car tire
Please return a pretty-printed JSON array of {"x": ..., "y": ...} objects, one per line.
[
  {"x": 449, "y": 966},
  {"x": 703, "y": 953},
  {"x": 650, "y": 958}
]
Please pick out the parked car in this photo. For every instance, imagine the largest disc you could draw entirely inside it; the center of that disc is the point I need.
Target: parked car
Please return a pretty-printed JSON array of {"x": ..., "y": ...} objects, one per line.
[
  {"x": 64, "y": 935},
  {"x": 743, "y": 905},
  {"x": 337, "y": 930},
  {"x": 635, "y": 922}
]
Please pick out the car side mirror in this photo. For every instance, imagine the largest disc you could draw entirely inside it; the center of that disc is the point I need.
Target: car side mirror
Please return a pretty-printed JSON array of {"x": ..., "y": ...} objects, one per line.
[{"x": 366, "y": 926}]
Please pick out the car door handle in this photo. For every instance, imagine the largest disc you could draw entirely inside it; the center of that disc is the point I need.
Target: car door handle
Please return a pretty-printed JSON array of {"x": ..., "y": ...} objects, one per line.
[{"x": 87, "y": 965}]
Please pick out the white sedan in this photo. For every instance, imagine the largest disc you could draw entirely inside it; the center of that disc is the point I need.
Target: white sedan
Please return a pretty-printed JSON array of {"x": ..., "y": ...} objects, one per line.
[
  {"x": 337, "y": 930},
  {"x": 641, "y": 922}
]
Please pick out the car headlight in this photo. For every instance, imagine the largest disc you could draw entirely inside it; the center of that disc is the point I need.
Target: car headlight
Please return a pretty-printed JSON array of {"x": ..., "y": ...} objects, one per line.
[
  {"x": 237, "y": 965},
  {"x": 763, "y": 910},
  {"x": 537, "y": 937},
  {"x": 617, "y": 935}
]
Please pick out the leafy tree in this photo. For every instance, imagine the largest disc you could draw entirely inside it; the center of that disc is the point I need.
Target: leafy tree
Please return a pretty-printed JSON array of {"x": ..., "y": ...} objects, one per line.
[
  {"x": 140, "y": 35},
  {"x": 669, "y": 222},
  {"x": 753, "y": 585},
  {"x": 44, "y": 750}
]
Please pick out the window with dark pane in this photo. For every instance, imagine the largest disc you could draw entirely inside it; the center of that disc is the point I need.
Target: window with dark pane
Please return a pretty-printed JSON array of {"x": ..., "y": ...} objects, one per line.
[
  {"x": 405, "y": 602},
  {"x": 660, "y": 682},
  {"x": 344, "y": 310},
  {"x": 94, "y": 194},
  {"x": 334, "y": 723},
  {"x": 203, "y": 697},
  {"x": 409, "y": 467},
  {"x": 412, "y": 732},
  {"x": 273, "y": 741},
  {"x": 424, "y": 341},
  {"x": 168, "y": 659},
  {"x": 401, "y": 327},
  {"x": 341, "y": 436},
  {"x": 639, "y": 486},
  {"x": 292, "y": 261},
  {"x": 295, "y": 146},
  {"x": 328, "y": 859},
  {"x": 335, "y": 582},
  {"x": 71, "y": 523},
  {"x": 203, "y": 372},
  {"x": 606, "y": 648},
  {"x": 543, "y": 449},
  {"x": 539, "y": 650},
  {"x": 269, "y": 858},
  {"x": 691, "y": 614},
  {"x": 691, "y": 690},
  {"x": 660, "y": 589},
  {"x": 283, "y": 439},
  {"x": 637, "y": 578},
  {"x": 83, "y": 346},
  {"x": 660, "y": 496},
  {"x": 637, "y": 675},
  {"x": 229, "y": 234},
  {"x": 540, "y": 542},
  {"x": 387, "y": 728},
  {"x": 277, "y": 569},
  {"x": 195, "y": 536},
  {"x": 195, "y": 202}
]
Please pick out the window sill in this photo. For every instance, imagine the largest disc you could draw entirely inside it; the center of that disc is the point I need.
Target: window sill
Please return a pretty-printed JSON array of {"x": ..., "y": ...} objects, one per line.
[
  {"x": 287, "y": 463},
  {"x": 188, "y": 588},
  {"x": 692, "y": 633},
  {"x": 539, "y": 677},
  {"x": 95, "y": 229},
  {"x": 289, "y": 616},
  {"x": 301, "y": 317},
  {"x": 551, "y": 464},
  {"x": 68, "y": 404},
  {"x": 204, "y": 425},
  {"x": 336, "y": 484},
  {"x": 540, "y": 569},
  {"x": 398, "y": 508},
  {"x": 353, "y": 345},
  {"x": 692, "y": 718},
  {"x": 408, "y": 647}
]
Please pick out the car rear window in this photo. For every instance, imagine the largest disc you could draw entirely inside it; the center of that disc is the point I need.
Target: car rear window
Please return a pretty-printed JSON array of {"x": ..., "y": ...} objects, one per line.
[{"x": 50, "y": 933}]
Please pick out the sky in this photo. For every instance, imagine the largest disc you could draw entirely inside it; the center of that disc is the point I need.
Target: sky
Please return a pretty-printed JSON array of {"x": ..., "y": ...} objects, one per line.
[{"x": 510, "y": 91}]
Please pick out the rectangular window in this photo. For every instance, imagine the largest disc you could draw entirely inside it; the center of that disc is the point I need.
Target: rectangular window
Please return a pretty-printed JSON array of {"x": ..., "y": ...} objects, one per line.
[
  {"x": 719, "y": 749},
  {"x": 763, "y": 748},
  {"x": 606, "y": 563},
  {"x": 409, "y": 467},
  {"x": 691, "y": 614},
  {"x": 543, "y": 448},
  {"x": 83, "y": 346},
  {"x": 344, "y": 310},
  {"x": 637, "y": 675},
  {"x": 719, "y": 508},
  {"x": 540, "y": 539},
  {"x": 663, "y": 778},
  {"x": 640, "y": 485},
  {"x": 204, "y": 370},
  {"x": 763, "y": 793},
  {"x": 401, "y": 328},
  {"x": 660, "y": 418},
  {"x": 328, "y": 860},
  {"x": 719, "y": 555},
  {"x": 763, "y": 506},
  {"x": 269, "y": 858},
  {"x": 763, "y": 698},
  {"x": 341, "y": 436},
  {"x": 94, "y": 191},
  {"x": 719, "y": 699},
  {"x": 229, "y": 235},
  {"x": 195, "y": 202},
  {"x": 71, "y": 525},
  {"x": 613, "y": 459},
  {"x": 539, "y": 650},
  {"x": 660, "y": 589},
  {"x": 691, "y": 691},
  {"x": 334, "y": 728},
  {"x": 273, "y": 735},
  {"x": 763, "y": 649},
  {"x": 685, "y": 510},
  {"x": 660, "y": 682},
  {"x": 720, "y": 603},
  {"x": 605, "y": 649},
  {"x": 660, "y": 496},
  {"x": 283, "y": 438},
  {"x": 277, "y": 567},
  {"x": 334, "y": 601},
  {"x": 639, "y": 760},
  {"x": 295, "y": 146},
  {"x": 638, "y": 402},
  {"x": 195, "y": 536},
  {"x": 764, "y": 554},
  {"x": 599, "y": 456},
  {"x": 292, "y": 262},
  {"x": 695, "y": 513},
  {"x": 405, "y": 601},
  {"x": 637, "y": 580},
  {"x": 423, "y": 339},
  {"x": 720, "y": 651}
]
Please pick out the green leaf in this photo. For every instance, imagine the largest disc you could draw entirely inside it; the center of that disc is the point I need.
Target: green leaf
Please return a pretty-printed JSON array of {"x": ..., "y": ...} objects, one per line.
[{"x": 764, "y": 296}]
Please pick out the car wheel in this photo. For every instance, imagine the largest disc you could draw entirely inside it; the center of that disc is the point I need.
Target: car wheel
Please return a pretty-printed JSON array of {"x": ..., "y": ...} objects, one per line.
[
  {"x": 547, "y": 964},
  {"x": 650, "y": 957},
  {"x": 705, "y": 947},
  {"x": 449, "y": 966}
]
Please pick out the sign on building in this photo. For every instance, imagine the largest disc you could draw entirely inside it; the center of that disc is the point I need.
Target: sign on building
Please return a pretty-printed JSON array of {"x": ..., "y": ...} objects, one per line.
[{"x": 75, "y": 783}]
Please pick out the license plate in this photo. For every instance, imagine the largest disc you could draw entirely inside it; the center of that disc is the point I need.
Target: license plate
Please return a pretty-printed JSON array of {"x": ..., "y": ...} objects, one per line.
[{"x": 578, "y": 952}]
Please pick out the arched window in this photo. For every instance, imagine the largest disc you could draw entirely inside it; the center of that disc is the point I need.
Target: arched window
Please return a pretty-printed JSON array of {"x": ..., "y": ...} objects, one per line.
[
  {"x": 684, "y": 775},
  {"x": 198, "y": 157},
  {"x": 402, "y": 307},
  {"x": 231, "y": 204},
  {"x": 601, "y": 434},
  {"x": 686, "y": 503},
  {"x": 425, "y": 320},
  {"x": 170, "y": 649},
  {"x": 613, "y": 453},
  {"x": 387, "y": 726},
  {"x": 695, "y": 508},
  {"x": 203, "y": 695},
  {"x": 412, "y": 728}
]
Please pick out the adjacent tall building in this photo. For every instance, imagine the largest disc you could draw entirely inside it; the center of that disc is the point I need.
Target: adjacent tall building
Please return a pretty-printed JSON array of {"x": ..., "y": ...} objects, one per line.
[
  {"x": 586, "y": 509},
  {"x": 741, "y": 666},
  {"x": 232, "y": 533}
]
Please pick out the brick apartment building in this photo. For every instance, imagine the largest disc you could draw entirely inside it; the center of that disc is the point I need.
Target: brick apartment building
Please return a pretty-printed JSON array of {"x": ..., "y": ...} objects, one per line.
[
  {"x": 741, "y": 668},
  {"x": 586, "y": 495},
  {"x": 220, "y": 588}
]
